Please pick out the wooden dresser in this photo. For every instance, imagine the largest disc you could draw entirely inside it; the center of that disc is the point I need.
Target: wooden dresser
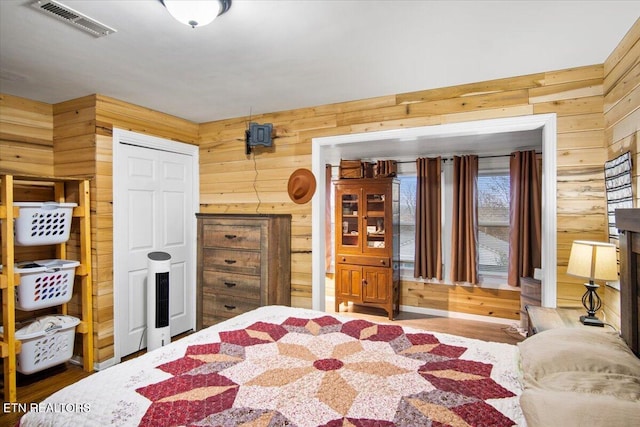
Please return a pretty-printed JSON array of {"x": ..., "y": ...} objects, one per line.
[{"x": 244, "y": 262}]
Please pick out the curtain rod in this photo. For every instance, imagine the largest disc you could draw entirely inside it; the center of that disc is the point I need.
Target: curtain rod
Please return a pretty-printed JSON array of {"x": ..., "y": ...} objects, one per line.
[{"x": 449, "y": 159}]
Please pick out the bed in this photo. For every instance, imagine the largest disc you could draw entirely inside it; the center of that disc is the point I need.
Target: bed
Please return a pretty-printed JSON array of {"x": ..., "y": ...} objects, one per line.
[
  {"x": 588, "y": 375},
  {"x": 628, "y": 223},
  {"x": 282, "y": 366}
]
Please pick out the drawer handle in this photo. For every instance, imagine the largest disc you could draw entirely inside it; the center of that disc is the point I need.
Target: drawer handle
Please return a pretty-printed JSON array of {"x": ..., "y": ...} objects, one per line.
[
  {"x": 230, "y": 307},
  {"x": 229, "y": 284},
  {"x": 230, "y": 236},
  {"x": 230, "y": 261}
]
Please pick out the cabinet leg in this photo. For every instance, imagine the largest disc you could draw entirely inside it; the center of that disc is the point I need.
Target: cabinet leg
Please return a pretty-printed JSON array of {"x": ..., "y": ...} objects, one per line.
[
  {"x": 337, "y": 306},
  {"x": 393, "y": 310}
]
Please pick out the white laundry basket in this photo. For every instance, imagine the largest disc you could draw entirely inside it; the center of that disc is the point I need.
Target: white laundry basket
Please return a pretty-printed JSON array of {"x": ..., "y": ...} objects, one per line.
[
  {"x": 43, "y": 223},
  {"x": 46, "y": 341},
  {"x": 44, "y": 283}
]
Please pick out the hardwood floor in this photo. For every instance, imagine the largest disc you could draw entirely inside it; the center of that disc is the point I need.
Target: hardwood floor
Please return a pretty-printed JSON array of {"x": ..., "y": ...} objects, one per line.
[
  {"x": 485, "y": 331},
  {"x": 34, "y": 388}
]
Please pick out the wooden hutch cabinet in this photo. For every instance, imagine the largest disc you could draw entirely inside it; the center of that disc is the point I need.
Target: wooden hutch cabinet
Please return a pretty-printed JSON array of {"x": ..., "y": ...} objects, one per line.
[{"x": 367, "y": 243}]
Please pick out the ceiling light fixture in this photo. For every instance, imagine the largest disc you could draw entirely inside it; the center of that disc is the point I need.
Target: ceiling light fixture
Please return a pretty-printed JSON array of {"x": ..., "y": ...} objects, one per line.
[{"x": 196, "y": 13}]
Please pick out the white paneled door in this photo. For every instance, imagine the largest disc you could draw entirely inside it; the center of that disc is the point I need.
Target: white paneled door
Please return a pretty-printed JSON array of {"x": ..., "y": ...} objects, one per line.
[{"x": 155, "y": 212}]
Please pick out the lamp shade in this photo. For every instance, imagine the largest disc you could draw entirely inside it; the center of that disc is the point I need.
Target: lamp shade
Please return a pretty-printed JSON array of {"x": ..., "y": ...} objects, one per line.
[
  {"x": 593, "y": 260},
  {"x": 196, "y": 13}
]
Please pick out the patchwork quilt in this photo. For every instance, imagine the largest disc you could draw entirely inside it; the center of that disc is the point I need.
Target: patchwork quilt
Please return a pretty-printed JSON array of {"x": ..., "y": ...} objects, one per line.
[{"x": 279, "y": 366}]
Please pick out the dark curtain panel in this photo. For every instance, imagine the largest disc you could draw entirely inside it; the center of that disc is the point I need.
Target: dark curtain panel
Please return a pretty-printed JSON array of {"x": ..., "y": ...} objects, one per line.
[
  {"x": 428, "y": 254},
  {"x": 328, "y": 212},
  {"x": 525, "y": 216},
  {"x": 464, "y": 229}
]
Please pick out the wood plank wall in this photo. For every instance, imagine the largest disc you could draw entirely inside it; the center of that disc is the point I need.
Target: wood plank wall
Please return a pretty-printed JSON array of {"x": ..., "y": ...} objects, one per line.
[
  {"x": 26, "y": 147},
  {"x": 622, "y": 123},
  {"x": 74, "y": 155},
  {"x": 228, "y": 176},
  {"x": 26, "y": 136}
]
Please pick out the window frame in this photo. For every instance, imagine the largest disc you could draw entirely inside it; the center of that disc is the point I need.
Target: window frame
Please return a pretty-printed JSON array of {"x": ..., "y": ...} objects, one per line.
[{"x": 493, "y": 168}]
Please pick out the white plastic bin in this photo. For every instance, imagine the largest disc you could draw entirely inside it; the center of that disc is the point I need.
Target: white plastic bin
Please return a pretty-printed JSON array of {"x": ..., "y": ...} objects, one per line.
[
  {"x": 43, "y": 223},
  {"x": 44, "y": 283},
  {"x": 46, "y": 341}
]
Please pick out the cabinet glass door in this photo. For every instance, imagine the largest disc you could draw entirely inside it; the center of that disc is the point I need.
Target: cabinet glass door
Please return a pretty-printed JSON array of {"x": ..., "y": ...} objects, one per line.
[
  {"x": 375, "y": 220},
  {"x": 349, "y": 224}
]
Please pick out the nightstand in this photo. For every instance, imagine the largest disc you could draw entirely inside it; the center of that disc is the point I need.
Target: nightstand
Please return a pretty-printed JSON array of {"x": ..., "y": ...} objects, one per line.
[
  {"x": 543, "y": 318},
  {"x": 530, "y": 294}
]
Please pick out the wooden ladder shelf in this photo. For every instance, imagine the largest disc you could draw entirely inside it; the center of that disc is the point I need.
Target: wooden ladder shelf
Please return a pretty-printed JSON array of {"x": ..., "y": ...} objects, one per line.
[{"x": 9, "y": 345}]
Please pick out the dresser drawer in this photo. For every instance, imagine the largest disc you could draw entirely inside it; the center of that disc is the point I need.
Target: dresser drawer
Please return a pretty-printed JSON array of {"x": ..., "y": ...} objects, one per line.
[
  {"x": 243, "y": 262},
  {"x": 239, "y": 285},
  {"x": 231, "y": 236},
  {"x": 364, "y": 260},
  {"x": 226, "y": 306}
]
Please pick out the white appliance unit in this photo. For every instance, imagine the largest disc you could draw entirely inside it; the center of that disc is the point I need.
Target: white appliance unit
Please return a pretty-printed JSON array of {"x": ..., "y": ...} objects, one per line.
[{"x": 158, "y": 329}]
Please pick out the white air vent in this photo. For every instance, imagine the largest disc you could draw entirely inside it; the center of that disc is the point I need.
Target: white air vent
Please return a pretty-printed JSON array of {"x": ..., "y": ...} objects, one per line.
[{"x": 72, "y": 17}]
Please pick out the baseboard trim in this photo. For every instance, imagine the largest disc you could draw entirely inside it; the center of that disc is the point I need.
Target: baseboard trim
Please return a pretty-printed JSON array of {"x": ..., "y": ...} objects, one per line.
[
  {"x": 98, "y": 366},
  {"x": 457, "y": 315},
  {"x": 448, "y": 314}
]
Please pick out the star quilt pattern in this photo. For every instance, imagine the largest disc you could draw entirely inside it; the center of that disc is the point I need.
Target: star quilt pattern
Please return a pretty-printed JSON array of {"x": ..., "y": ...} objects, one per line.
[
  {"x": 325, "y": 372},
  {"x": 283, "y": 366}
]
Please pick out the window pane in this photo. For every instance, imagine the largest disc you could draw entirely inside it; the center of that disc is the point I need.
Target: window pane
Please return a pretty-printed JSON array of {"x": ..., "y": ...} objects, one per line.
[
  {"x": 407, "y": 223},
  {"x": 493, "y": 222}
]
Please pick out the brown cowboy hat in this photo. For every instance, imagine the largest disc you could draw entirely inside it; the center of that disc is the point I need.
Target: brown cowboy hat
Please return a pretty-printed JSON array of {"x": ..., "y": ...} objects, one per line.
[{"x": 301, "y": 186}]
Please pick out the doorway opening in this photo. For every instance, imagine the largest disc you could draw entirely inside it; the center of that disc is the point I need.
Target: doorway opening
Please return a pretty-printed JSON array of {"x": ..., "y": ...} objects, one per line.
[{"x": 405, "y": 144}]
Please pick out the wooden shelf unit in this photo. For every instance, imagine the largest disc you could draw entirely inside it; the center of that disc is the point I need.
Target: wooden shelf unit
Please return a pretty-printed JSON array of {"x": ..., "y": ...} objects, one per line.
[
  {"x": 9, "y": 345},
  {"x": 367, "y": 244}
]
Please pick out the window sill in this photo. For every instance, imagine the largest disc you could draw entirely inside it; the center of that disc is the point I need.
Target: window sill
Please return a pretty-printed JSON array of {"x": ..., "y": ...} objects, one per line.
[{"x": 494, "y": 281}]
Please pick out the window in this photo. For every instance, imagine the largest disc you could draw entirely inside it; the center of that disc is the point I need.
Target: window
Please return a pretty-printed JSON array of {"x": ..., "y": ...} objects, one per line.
[
  {"x": 493, "y": 223},
  {"x": 493, "y": 219},
  {"x": 407, "y": 224}
]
